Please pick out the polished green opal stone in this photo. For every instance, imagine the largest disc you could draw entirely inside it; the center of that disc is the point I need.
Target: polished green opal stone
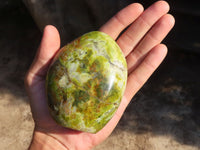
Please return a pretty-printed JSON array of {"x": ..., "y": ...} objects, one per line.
[{"x": 86, "y": 82}]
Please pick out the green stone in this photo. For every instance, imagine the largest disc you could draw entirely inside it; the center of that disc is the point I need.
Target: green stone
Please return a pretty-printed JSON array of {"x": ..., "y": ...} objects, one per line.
[{"x": 86, "y": 82}]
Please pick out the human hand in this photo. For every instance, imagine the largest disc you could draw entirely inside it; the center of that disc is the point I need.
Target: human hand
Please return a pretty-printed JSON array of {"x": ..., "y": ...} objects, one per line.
[{"x": 141, "y": 46}]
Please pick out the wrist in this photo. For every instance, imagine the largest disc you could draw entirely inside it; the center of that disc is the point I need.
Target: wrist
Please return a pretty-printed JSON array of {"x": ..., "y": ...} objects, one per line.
[{"x": 42, "y": 141}]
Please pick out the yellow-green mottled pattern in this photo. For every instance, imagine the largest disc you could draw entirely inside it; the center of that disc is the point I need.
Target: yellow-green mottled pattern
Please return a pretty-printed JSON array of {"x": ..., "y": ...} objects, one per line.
[{"x": 86, "y": 82}]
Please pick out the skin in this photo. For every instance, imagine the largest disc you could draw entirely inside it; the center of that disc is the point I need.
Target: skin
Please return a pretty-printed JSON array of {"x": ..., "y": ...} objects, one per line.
[{"x": 141, "y": 46}]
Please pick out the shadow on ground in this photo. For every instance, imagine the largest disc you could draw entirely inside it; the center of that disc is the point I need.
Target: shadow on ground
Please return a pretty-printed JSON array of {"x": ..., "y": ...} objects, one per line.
[
  {"x": 168, "y": 104},
  {"x": 18, "y": 41}
]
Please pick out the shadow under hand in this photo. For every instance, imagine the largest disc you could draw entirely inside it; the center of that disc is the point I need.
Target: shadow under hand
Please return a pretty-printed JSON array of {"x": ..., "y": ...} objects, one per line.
[{"x": 168, "y": 104}]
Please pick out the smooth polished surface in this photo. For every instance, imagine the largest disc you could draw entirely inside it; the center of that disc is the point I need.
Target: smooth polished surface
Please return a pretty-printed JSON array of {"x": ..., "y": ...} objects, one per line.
[{"x": 86, "y": 82}]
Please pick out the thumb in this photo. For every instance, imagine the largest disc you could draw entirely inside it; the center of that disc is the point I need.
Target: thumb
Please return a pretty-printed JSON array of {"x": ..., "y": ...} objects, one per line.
[{"x": 49, "y": 45}]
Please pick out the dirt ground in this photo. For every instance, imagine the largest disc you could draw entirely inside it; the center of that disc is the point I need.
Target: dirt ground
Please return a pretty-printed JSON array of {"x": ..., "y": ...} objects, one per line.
[{"x": 164, "y": 115}]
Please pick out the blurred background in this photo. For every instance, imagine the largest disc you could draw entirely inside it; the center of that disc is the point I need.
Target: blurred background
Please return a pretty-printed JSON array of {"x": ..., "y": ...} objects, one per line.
[{"x": 165, "y": 113}]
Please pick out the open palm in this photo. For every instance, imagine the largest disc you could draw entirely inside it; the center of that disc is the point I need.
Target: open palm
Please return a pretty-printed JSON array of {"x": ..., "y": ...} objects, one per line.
[{"x": 140, "y": 43}]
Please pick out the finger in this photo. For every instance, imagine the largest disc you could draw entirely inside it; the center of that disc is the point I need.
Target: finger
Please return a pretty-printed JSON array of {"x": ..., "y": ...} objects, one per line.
[
  {"x": 121, "y": 20},
  {"x": 135, "y": 81},
  {"x": 49, "y": 45},
  {"x": 139, "y": 76},
  {"x": 131, "y": 37},
  {"x": 151, "y": 39}
]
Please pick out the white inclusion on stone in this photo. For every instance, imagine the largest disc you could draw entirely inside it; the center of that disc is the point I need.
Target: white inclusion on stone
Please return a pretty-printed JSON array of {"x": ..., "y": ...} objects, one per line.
[
  {"x": 98, "y": 47},
  {"x": 74, "y": 109},
  {"x": 120, "y": 84},
  {"x": 118, "y": 64},
  {"x": 70, "y": 85},
  {"x": 63, "y": 81},
  {"x": 105, "y": 115},
  {"x": 121, "y": 74},
  {"x": 56, "y": 108},
  {"x": 66, "y": 108},
  {"x": 72, "y": 67},
  {"x": 84, "y": 77},
  {"x": 91, "y": 129},
  {"x": 81, "y": 53},
  {"x": 81, "y": 77}
]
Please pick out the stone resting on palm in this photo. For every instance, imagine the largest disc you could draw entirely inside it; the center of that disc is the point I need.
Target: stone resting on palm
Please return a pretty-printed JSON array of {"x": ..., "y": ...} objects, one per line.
[{"x": 142, "y": 48}]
